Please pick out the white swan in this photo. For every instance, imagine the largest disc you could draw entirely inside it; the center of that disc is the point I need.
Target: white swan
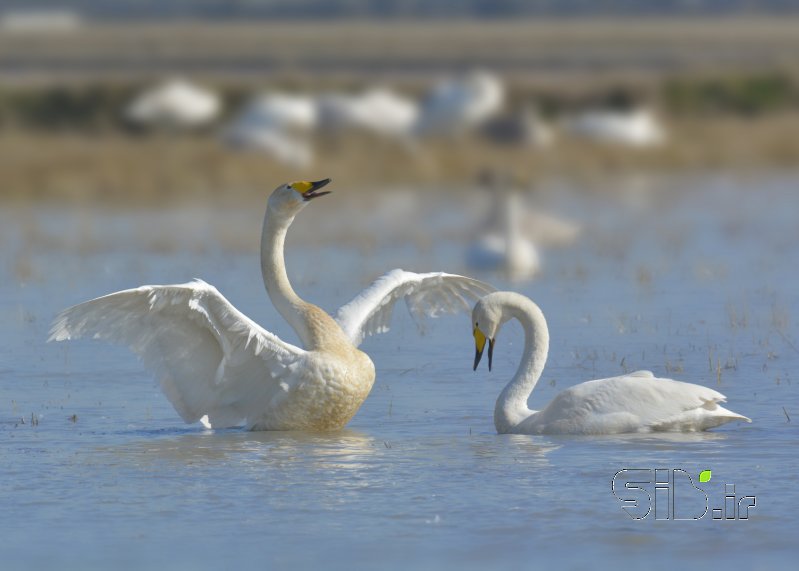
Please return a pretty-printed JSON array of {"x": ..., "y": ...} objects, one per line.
[
  {"x": 276, "y": 124},
  {"x": 636, "y": 127},
  {"x": 502, "y": 246},
  {"x": 379, "y": 111},
  {"x": 637, "y": 402},
  {"x": 278, "y": 111},
  {"x": 217, "y": 366},
  {"x": 175, "y": 103},
  {"x": 456, "y": 105}
]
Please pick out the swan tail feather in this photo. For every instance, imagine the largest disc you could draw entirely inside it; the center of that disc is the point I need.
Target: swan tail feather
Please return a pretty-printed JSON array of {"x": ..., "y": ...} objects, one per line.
[{"x": 709, "y": 415}]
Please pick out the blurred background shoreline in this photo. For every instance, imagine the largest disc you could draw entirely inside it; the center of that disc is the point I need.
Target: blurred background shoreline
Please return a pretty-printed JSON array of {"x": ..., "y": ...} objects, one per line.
[{"x": 726, "y": 86}]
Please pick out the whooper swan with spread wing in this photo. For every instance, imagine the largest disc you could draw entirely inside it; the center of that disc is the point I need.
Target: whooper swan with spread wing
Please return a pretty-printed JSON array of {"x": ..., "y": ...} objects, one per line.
[{"x": 217, "y": 366}]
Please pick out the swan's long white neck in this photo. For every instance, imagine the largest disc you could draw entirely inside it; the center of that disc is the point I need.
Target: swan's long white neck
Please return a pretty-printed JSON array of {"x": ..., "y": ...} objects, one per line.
[
  {"x": 511, "y": 407},
  {"x": 276, "y": 280}
]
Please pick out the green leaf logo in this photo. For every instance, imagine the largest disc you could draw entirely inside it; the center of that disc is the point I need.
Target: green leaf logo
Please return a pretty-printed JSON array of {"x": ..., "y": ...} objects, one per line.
[{"x": 704, "y": 476}]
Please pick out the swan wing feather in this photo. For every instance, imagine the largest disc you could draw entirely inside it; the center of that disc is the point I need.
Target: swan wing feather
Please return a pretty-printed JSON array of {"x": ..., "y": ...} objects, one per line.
[
  {"x": 426, "y": 295},
  {"x": 210, "y": 359}
]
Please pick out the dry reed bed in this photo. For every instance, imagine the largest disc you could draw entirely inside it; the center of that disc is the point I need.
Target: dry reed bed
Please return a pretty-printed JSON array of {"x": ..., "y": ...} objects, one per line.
[{"x": 119, "y": 169}]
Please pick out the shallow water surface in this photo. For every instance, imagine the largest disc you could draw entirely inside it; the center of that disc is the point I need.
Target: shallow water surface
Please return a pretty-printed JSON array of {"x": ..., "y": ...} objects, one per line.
[{"x": 99, "y": 472}]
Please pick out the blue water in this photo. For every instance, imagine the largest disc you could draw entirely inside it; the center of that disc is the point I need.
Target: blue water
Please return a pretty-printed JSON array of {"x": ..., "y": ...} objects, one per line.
[{"x": 696, "y": 282}]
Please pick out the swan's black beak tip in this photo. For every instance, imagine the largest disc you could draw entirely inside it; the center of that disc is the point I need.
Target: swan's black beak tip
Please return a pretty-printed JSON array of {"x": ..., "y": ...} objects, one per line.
[
  {"x": 312, "y": 193},
  {"x": 478, "y": 355}
]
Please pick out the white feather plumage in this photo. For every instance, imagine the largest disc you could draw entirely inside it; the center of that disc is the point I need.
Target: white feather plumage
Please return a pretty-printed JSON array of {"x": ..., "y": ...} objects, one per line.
[
  {"x": 217, "y": 366},
  {"x": 636, "y": 402}
]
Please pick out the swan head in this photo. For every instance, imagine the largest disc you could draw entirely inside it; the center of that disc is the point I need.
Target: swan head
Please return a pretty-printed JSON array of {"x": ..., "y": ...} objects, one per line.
[
  {"x": 487, "y": 317},
  {"x": 494, "y": 309},
  {"x": 292, "y": 197}
]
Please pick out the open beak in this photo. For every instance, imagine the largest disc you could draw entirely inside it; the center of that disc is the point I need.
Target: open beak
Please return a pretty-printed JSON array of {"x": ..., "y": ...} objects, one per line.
[
  {"x": 312, "y": 192},
  {"x": 479, "y": 345}
]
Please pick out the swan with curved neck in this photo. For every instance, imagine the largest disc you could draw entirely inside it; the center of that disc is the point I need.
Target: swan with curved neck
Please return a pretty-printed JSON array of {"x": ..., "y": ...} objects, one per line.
[
  {"x": 636, "y": 402},
  {"x": 315, "y": 328},
  {"x": 219, "y": 367}
]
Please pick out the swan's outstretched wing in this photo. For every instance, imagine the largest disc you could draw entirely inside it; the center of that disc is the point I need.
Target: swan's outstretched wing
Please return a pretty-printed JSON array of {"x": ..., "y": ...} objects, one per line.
[
  {"x": 425, "y": 295},
  {"x": 637, "y": 401},
  {"x": 209, "y": 358}
]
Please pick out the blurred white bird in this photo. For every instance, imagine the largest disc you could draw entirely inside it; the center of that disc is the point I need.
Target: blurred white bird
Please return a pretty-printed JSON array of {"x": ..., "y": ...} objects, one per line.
[
  {"x": 276, "y": 124},
  {"x": 509, "y": 239},
  {"x": 502, "y": 245},
  {"x": 217, "y": 366},
  {"x": 456, "y": 105},
  {"x": 174, "y": 104},
  {"x": 636, "y": 402},
  {"x": 636, "y": 128},
  {"x": 275, "y": 110},
  {"x": 378, "y": 111}
]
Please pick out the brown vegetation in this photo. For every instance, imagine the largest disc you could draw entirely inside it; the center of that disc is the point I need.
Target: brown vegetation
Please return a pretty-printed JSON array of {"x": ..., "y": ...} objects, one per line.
[{"x": 119, "y": 169}]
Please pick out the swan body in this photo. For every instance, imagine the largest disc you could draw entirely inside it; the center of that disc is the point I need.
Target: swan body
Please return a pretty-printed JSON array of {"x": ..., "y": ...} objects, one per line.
[
  {"x": 217, "y": 366},
  {"x": 635, "y": 128},
  {"x": 175, "y": 103},
  {"x": 511, "y": 255},
  {"x": 379, "y": 111},
  {"x": 459, "y": 104},
  {"x": 280, "y": 111},
  {"x": 276, "y": 124},
  {"x": 636, "y": 402}
]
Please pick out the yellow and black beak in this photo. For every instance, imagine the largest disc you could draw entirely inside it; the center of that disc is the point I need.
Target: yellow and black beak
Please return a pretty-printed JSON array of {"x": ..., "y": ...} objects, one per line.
[
  {"x": 479, "y": 345},
  {"x": 309, "y": 190}
]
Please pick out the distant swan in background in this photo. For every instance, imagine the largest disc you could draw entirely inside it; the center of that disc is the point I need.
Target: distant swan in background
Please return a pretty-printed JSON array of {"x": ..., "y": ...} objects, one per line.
[
  {"x": 276, "y": 124},
  {"x": 634, "y": 127},
  {"x": 277, "y": 110},
  {"x": 502, "y": 246},
  {"x": 217, "y": 366},
  {"x": 379, "y": 111},
  {"x": 458, "y": 104},
  {"x": 637, "y": 402},
  {"x": 174, "y": 104},
  {"x": 511, "y": 234}
]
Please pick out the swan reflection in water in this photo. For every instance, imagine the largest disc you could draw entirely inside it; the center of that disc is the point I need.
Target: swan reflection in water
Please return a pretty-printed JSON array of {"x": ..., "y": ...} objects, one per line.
[
  {"x": 345, "y": 449},
  {"x": 514, "y": 448}
]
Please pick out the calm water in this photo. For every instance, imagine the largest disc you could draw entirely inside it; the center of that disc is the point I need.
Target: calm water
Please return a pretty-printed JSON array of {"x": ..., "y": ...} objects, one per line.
[{"x": 97, "y": 471}]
